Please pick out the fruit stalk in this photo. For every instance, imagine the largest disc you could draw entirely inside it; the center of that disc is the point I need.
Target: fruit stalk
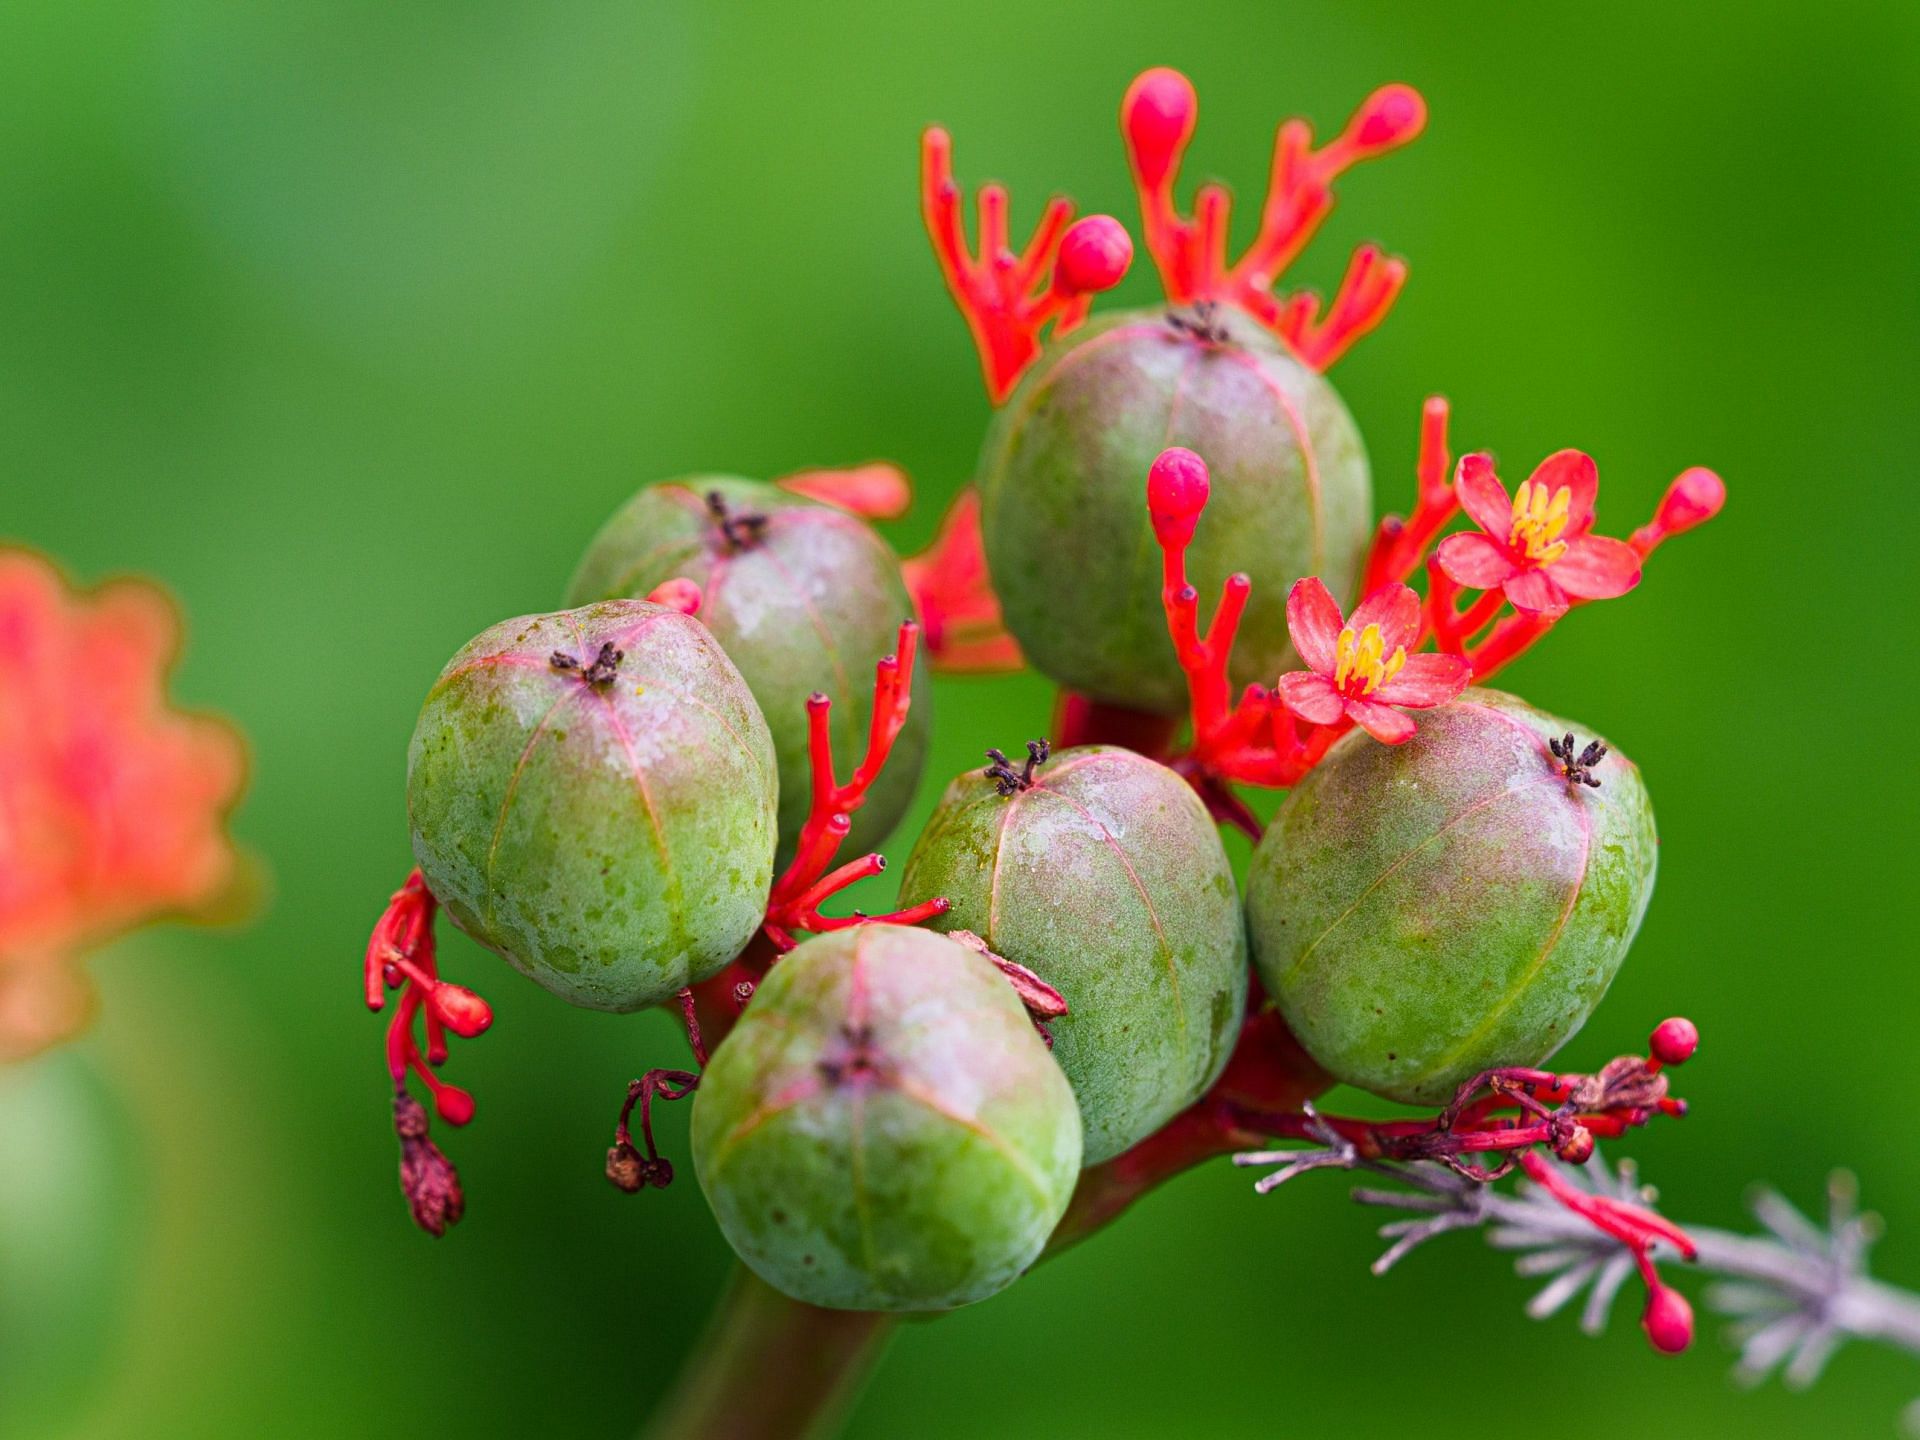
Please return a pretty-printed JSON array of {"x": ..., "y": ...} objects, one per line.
[{"x": 770, "y": 1368}]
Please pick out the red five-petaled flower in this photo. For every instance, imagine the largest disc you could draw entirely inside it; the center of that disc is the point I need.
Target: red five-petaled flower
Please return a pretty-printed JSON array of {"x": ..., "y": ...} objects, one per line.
[
  {"x": 1360, "y": 667},
  {"x": 1536, "y": 548}
]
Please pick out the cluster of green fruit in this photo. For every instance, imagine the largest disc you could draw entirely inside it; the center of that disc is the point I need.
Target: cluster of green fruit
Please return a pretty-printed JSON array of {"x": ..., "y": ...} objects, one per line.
[{"x": 602, "y": 796}]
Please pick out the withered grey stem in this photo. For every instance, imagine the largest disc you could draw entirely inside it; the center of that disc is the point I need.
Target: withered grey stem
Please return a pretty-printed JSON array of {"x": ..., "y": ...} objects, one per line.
[{"x": 1794, "y": 1292}]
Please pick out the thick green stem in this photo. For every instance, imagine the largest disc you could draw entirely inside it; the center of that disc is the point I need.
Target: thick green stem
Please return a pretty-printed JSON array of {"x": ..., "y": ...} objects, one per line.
[{"x": 770, "y": 1368}]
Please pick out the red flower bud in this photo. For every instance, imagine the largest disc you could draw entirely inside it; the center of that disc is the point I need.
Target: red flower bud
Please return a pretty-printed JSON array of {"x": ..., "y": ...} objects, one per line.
[
  {"x": 454, "y": 1104},
  {"x": 1577, "y": 1148},
  {"x": 677, "y": 594},
  {"x": 1094, "y": 255},
  {"x": 1694, "y": 498},
  {"x": 1668, "y": 1320},
  {"x": 460, "y": 1010},
  {"x": 1158, "y": 116},
  {"x": 1391, "y": 116},
  {"x": 1674, "y": 1041},
  {"x": 1176, "y": 494}
]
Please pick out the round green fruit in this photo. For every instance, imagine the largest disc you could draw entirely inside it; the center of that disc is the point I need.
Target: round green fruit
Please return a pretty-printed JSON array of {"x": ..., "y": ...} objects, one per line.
[
  {"x": 1105, "y": 877},
  {"x": 803, "y": 597},
  {"x": 1063, "y": 495},
  {"x": 884, "y": 1130},
  {"x": 592, "y": 796},
  {"x": 1426, "y": 911}
]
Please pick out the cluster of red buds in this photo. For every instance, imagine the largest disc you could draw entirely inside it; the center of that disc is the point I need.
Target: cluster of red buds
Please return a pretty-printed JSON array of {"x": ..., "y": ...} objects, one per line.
[
  {"x": 1157, "y": 119},
  {"x": 401, "y": 956},
  {"x": 1008, "y": 298}
]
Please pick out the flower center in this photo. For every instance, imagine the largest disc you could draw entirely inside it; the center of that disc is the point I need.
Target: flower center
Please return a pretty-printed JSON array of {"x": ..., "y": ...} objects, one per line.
[
  {"x": 1362, "y": 666},
  {"x": 1539, "y": 519}
]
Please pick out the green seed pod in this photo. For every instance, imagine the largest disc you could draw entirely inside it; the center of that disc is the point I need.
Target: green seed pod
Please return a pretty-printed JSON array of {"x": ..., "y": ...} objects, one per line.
[
  {"x": 884, "y": 1130},
  {"x": 803, "y": 598},
  {"x": 592, "y": 797},
  {"x": 1102, "y": 873},
  {"x": 1426, "y": 911},
  {"x": 1063, "y": 496}
]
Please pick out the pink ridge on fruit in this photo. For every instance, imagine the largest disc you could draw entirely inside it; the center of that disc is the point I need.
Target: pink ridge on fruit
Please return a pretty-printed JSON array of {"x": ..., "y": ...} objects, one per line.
[
  {"x": 1157, "y": 119},
  {"x": 1009, "y": 297},
  {"x": 113, "y": 803}
]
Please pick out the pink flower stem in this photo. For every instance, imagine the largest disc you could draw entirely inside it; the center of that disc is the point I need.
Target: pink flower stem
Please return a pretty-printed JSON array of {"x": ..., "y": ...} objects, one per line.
[
  {"x": 1399, "y": 544},
  {"x": 1511, "y": 638}
]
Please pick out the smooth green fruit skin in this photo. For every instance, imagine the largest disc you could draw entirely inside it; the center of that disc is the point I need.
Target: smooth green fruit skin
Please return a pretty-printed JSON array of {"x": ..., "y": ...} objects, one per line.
[
  {"x": 812, "y": 607},
  {"x": 614, "y": 843},
  {"x": 1423, "y": 912},
  {"x": 1064, "y": 498},
  {"x": 1107, "y": 879},
  {"x": 884, "y": 1129}
]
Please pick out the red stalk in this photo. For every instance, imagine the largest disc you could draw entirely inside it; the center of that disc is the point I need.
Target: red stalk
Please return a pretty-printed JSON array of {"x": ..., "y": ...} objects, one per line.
[{"x": 808, "y": 882}]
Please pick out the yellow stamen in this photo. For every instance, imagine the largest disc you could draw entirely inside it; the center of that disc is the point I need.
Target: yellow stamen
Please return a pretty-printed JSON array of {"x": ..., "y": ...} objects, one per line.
[
  {"x": 1539, "y": 520},
  {"x": 1361, "y": 660}
]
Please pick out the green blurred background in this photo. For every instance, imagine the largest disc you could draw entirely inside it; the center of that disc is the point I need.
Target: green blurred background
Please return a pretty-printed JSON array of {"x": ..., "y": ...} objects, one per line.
[{"x": 352, "y": 320}]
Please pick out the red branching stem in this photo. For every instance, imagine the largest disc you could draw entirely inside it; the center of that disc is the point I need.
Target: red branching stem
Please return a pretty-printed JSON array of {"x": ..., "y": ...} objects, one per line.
[
  {"x": 1510, "y": 638},
  {"x": 1399, "y": 544},
  {"x": 954, "y": 597},
  {"x": 1667, "y": 1319},
  {"x": 627, "y": 1167},
  {"x": 1081, "y": 720},
  {"x": 401, "y": 956},
  {"x": 690, "y": 1017},
  {"x": 1449, "y": 624},
  {"x": 1253, "y": 739},
  {"x": 1157, "y": 120},
  {"x": 1008, "y": 298},
  {"x": 809, "y": 881}
]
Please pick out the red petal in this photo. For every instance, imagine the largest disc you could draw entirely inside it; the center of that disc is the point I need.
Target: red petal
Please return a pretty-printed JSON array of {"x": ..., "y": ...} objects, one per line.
[
  {"x": 1476, "y": 560},
  {"x": 1383, "y": 723},
  {"x": 1313, "y": 618},
  {"x": 1425, "y": 681},
  {"x": 1311, "y": 697},
  {"x": 1575, "y": 470},
  {"x": 1535, "y": 592},
  {"x": 1396, "y": 610},
  {"x": 1482, "y": 495},
  {"x": 1597, "y": 567},
  {"x": 879, "y": 490}
]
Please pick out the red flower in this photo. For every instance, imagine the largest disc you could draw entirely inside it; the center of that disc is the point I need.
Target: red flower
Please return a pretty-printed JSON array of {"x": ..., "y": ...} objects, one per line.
[
  {"x": 1536, "y": 548},
  {"x": 113, "y": 801},
  {"x": 1360, "y": 668}
]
